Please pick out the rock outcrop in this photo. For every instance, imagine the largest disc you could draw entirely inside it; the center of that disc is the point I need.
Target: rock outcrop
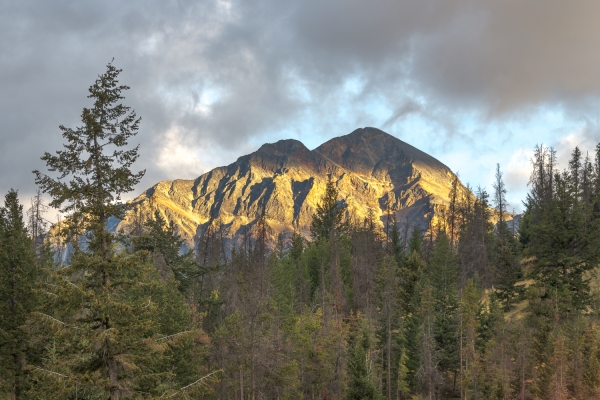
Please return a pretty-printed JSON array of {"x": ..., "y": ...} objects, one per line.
[{"x": 371, "y": 169}]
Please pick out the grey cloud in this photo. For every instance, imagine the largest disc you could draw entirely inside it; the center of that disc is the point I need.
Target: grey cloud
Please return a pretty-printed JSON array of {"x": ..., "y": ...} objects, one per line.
[
  {"x": 407, "y": 108},
  {"x": 282, "y": 65}
]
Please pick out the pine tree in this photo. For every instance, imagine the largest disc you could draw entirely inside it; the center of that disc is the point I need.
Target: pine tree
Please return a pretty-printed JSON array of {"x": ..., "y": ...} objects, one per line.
[
  {"x": 476, "y": 241},
  {"x": 412, "y": 283},
  {"x": 328, "y": 220},
  {"x": 388, "y": 301},
  {"x": 165, "y": 245},
  {"x": 576, "y": 172},
  {"x": 442, "y": 278},
  {"x": 565, "y": 248},
  {"x": 428, "y": 377},
  {"x": 500, "y": 196},
  {"x": 470, "y": 360},
  {"x": 329, "y": 231},
  {"x": 37, "y": 224},
  {"x": 508, "y": 270},
  {"x": 361, "y": 385},
  {"x": 114, "y": 339},
  {"x": 93, "y": 169},
  {"x": 105, "y": 305},
  {"x": 18, "y": 275}
]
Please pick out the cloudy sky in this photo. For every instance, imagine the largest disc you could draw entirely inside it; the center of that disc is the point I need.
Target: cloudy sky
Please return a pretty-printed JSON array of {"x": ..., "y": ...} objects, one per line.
[{"x": 473, "y": 83}]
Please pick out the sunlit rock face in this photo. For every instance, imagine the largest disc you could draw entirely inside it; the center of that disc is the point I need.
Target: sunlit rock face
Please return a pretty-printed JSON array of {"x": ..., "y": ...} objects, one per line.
[{"x": 371, "y": 169}]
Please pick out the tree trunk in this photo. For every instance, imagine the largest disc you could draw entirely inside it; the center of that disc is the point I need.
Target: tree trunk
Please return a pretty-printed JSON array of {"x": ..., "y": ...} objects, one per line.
[
  {"x": 16, "y": 384},
  {"x": 389, "y": 356},
  {"x": 113, "y": 376},
  {"x": 241, "y": 385}
]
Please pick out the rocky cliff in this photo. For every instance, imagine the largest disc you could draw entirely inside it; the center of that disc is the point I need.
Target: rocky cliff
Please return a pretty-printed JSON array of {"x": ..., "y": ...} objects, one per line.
[{"x": 371, "y": 169}]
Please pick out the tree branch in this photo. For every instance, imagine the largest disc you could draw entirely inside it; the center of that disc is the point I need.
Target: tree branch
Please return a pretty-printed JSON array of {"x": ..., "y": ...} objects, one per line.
[{"x": 194, "y": 383}]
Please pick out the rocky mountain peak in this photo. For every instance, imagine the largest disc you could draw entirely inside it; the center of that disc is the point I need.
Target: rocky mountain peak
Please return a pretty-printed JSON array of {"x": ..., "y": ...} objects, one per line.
[
  {"x": 370, "y": 149},
  {"x": 285, "y": 147},
  {"x": 371, "y": 169}
]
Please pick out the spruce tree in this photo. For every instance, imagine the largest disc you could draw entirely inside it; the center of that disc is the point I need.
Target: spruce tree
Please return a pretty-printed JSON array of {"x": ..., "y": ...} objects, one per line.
[
  {"x": 442, "y": 278},
  {"x": 106, "y": 304},
  {"x": 389, "y": 321},
  {"x": 93, "y": 168},
  {"x": 165, "y": 245},
  {"x": 565, "y": 248},
  {"x": 412, "y": 282},
  {"x": 329, "y": 230},
  {"x": 18, "y": 274},
  {"x": 428, "y": 377},
  {"x": 506, "y": 261},
  {"x": 500, "y": 196},
  {"x": 328, "y": 220},
  {"x": 476, "y": 242},
  {"x": 361, "y": 386}
]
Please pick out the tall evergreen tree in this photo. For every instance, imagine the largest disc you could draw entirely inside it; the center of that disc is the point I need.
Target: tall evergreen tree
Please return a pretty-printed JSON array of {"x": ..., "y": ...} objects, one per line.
[
  {"x": 476, "y": 241},
  {"x": 361, "y": 386},
  {"x": 565, "y": 248},
  {"x": 412, "y": 282},
  {"x": 329, "y": 230},
  {"x": 506, "y": 261},
  {"x": 18, "y": 274},
  {"x": 36, "y": 223},
  {"x": 428, "y": 378},
  {"x": 328, "y": 220},
  {"x": 106, "y": 305},
  {"x": 93, "y": 169},
  {"x": 442, "y": 278},
  {"x": 165, "y": 245},
  {"x": 389, "y": 332},
  {"x": 576, "y": 172},
  {"x": 500, "y": 196}
]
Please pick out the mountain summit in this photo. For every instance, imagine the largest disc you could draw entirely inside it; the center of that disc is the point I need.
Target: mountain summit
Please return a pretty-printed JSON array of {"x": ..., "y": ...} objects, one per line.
[{"x": 371, "y": 169}]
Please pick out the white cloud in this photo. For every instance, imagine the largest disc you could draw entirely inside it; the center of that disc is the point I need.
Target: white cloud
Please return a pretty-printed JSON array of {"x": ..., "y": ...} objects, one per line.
[
  {"x": 518, "y": 169},
  {"x": 179, "y": 158}
]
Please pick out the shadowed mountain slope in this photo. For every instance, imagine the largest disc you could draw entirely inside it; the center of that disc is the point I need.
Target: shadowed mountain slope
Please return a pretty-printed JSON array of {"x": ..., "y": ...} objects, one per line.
[{"x": 371, "y": 169}]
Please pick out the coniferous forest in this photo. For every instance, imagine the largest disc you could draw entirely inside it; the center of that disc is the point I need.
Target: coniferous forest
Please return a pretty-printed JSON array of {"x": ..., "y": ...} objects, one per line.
[{"x": 470, "y": 307}]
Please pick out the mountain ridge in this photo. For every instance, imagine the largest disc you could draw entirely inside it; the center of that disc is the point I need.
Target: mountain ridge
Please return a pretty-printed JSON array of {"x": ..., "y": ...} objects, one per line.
[{"x": 372, "y": 170}]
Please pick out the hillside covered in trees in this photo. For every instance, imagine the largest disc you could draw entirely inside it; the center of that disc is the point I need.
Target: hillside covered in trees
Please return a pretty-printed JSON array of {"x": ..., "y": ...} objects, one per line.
[{"x": 465, "y": 309}]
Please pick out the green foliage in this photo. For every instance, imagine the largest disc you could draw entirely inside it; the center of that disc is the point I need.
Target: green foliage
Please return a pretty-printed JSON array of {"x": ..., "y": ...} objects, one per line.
[
  {"x": 18, "y": 276},
  {"x": 564, "y": 242},
  {"x": 329, "y": 218},
  {"x": 476, "y": 242},
  {"x": 361, "y": 385},
  {"x": 389, "y": 332},
  {"x": 116, "y": 321},
  {"x": 93, "y": 169},
  {"x": 428, "y": 377},
  {"x": 442, "y": 278},
  {"x": 160, "y": 240},
  {"x": 122, "y": 328},
  {"x": 469, "y": 314},
  {"x": 508, "y": 270}
]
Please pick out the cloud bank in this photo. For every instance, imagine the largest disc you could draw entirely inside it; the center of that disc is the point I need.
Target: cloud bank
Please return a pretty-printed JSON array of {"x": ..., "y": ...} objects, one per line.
[{"x": 213, "y": 80}]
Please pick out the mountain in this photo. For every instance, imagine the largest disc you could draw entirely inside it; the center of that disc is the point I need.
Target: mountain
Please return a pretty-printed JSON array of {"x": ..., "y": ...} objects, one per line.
[{"x": 371, "y": 169}]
